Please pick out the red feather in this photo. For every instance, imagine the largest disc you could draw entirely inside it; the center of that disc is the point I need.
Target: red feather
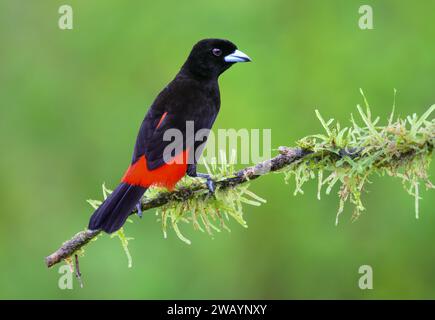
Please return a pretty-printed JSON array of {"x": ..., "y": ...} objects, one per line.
[
  {"x": 165, "y": 176},
  {"x": 161, "y": 119}
]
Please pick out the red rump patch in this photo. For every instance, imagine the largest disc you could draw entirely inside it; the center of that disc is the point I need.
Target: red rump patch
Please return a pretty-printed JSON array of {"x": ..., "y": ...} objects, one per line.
[{"x": 165, "y": 176}]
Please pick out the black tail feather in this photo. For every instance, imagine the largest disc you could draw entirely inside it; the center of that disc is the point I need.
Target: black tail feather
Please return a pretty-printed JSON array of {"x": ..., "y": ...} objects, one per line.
[{"x": 114, "y": 211}]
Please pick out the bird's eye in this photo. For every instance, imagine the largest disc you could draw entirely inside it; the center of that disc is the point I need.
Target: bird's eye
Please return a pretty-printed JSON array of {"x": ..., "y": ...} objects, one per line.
[{"x": 217, "y": 52}]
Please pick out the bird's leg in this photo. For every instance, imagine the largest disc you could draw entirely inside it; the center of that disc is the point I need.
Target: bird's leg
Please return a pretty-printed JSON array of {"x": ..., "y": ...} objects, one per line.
[
  {"x": 210, "y": 183},
  {"x": 139, "y": 209}
]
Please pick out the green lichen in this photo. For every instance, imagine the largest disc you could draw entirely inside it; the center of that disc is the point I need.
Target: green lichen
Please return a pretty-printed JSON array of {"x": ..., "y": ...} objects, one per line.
[
  {"x": 350, "y": 156},
  {"x": 206, "y": 212}
]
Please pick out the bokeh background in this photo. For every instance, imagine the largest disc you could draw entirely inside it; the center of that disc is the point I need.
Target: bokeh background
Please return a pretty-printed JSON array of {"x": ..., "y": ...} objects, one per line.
[{"x": 72, "y": 101}]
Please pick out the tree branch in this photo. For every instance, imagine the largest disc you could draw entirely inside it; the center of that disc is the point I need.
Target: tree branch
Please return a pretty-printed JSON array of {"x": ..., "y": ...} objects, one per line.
[
  {"x": 285, "y": 157},
  {"x": 350, "y": 155}
]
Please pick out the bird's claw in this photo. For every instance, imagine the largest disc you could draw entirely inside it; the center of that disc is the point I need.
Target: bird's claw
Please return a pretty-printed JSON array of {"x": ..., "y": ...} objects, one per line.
[
  {"x": 210, "y": 183},
  {"x": 139, "y": 209}
]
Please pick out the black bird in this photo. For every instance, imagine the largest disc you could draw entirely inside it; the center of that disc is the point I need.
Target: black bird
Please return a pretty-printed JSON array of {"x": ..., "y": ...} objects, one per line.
[{"x": 193, "y": 95}]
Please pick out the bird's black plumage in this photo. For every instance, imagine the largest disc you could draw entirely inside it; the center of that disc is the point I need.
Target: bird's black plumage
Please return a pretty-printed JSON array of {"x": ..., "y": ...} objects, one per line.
[{"x": 193, "y": 95}]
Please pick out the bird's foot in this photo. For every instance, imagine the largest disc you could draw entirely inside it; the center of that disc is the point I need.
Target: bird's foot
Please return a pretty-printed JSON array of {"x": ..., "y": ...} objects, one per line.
[
  {"x": 139, "y": 209},
  {"x": 211, "y": 184}
]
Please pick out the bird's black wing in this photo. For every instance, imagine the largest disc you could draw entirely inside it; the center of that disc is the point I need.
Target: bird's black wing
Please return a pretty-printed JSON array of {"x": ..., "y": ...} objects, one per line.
[{"x": 181, "y": 101}]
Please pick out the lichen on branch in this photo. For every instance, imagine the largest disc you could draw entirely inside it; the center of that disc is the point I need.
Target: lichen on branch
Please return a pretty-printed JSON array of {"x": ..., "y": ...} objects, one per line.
[
  {"x": 344, "y": 156},
  {"x": 349, "y": 156}
]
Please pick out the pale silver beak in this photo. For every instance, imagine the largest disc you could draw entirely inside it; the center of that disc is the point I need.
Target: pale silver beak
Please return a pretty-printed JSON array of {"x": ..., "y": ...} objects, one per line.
[{"x": 237, "y": 56}]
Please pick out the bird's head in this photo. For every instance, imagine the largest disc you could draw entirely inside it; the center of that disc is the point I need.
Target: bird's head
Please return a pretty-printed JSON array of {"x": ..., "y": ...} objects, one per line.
[{"x": 210, "y": 57}]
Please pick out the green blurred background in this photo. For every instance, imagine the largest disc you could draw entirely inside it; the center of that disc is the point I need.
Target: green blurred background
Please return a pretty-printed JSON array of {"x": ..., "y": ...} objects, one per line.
[{"x": 72, "y": 102}]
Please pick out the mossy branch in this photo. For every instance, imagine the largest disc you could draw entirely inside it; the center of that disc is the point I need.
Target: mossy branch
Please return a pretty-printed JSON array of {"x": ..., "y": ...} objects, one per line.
[{"x": 347, "y": 156}]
